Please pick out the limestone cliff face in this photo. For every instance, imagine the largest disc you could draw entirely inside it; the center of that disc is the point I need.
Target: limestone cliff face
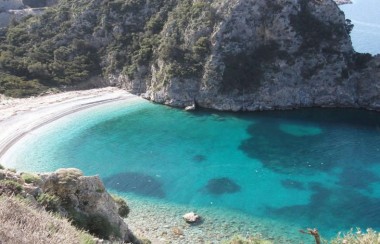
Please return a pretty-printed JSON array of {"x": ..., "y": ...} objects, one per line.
[
  {"x": 222, "y": 54},
  {"x": 257, "y": 55},
  {"x": 262, "y": 55}
]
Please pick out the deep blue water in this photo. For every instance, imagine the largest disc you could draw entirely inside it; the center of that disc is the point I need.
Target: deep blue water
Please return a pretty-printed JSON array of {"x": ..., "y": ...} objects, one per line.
[
  {"x": 310, "y": 167},
  {"x": 365, "y": 15}
]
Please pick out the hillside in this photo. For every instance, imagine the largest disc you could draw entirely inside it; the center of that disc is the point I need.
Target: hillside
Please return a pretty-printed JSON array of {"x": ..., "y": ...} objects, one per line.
[
  {"x": 83, "y": 200},
  {"x": 23, "y": 223},
  {"x": 221, "y": 54}
]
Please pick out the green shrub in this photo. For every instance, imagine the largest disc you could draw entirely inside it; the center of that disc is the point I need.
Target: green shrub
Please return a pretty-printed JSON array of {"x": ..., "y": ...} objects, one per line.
[
  {"x": 1, "y": 167},
  {"x": 50, "y": 202},
  {"x": 86, "y": 239},
  {"x": 69, "y": 175},
  {"x": 244, "y": 71},
  {"x": 15, "y": 86},
  {"x": 10, "y": 187},
  {"x": 361, "y": 60},
  {"x": 123, "y": 208},
  {"x": 30, "y": 178},
  {"x": 101, "y": 227},
  {"x": 95, "y": 224},
  {"x": 312, "y": 30}
]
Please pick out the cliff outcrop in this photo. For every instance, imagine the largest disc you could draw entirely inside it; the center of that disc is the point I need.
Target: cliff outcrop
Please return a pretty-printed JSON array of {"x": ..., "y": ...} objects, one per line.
[
  {"x": 82, "y": 199},
  {"x": 226, "y": 55}
]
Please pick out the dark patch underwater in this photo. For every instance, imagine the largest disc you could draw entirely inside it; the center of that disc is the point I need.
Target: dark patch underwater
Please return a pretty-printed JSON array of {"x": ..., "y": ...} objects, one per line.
[
  {"x": 219, "y": 186},
  {"x": 138, "y": 183}
]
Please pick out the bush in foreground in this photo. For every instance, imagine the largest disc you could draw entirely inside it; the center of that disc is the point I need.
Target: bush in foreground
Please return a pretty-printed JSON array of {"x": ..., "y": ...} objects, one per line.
[
  {"x": 30, "y": 178},
  {"x": 22, "y": 223},
  {"x": 358, "y": 237},
  {"x": 123, "y": 208},
  {"x": 10, "y": 187}
]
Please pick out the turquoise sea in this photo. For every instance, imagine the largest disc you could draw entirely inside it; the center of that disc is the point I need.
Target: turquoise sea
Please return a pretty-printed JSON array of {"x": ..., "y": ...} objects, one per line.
[
  {"x": 295, "y": 169},
  {"x": 306, "y": 168}
]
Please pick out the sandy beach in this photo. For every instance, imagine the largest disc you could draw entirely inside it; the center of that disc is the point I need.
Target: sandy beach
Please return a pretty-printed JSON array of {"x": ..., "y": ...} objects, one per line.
[{"x": 19, "y": 116}]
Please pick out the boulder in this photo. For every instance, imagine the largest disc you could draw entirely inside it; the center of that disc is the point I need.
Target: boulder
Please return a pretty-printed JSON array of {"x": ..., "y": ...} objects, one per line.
[{"x": 191, "y": 217}]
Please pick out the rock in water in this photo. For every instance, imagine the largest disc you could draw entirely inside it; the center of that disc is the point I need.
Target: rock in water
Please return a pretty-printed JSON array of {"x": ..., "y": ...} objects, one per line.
[
  {"x": 190, "y": 108},
  {"x": 191, "y": 217}
]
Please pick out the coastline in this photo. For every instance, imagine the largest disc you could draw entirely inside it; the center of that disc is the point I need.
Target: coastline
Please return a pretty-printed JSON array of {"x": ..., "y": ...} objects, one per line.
[
  {"x": 156, "y": 221},
  {"x": 21, "y": 116}
]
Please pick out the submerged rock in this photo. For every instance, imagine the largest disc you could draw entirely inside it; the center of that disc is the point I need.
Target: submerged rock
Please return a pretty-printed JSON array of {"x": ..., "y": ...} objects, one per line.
[
  {"x": 221, "y": 186},
  {"x": 136, "y": 182},
  {"x": 191, "y": 217}
]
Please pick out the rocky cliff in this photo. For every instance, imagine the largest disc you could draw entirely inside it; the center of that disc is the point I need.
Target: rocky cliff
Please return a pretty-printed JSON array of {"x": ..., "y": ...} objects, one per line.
[
  {"x": 82, "y": 199},
  {"x": 225, "y": 54}
]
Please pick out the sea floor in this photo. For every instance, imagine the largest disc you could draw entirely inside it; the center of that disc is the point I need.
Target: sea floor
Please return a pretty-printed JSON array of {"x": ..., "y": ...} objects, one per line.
[
  {"x": 163, "y": 223},
  {"x": 265, "y": 173}
]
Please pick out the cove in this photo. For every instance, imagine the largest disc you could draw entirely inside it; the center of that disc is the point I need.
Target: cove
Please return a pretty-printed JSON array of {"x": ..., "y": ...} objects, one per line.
[{"x": 305, "y": 168}]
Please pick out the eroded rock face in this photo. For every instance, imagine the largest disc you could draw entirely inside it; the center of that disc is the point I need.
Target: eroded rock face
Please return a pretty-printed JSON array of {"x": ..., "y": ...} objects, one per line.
[
  {"x": 265, "y": 55},
  {"x": 226, "y": 54},
  {"x": 260, "y": 55},
  {"x": 81, "y": 198}
]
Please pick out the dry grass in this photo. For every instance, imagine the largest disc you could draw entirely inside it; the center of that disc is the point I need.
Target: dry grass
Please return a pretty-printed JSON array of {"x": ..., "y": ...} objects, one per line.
[
  {"x": 359, "y": 237},
  {"x": 22, "y": 223}
]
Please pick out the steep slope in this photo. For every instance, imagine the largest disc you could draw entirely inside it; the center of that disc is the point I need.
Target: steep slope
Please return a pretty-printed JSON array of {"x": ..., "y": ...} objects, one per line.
[
  {"x": 81, "y": 199},
  {"x": 221, "y": 54}
]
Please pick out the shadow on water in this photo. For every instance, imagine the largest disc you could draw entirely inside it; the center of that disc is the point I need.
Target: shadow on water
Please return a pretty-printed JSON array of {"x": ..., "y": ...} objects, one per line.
[
  {"x": 286, "y": 153},
  {"x": 135, "y": 182},
  {"x": 287, "y": 146},
  {"x": 332, "y": 208},
  {"x": 219, "y": 186},
  {"x": 357, "y": 178}
]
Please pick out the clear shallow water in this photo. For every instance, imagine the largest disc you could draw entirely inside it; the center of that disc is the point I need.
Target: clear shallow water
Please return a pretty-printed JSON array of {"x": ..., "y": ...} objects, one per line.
[
  {"x": 309, "y": 168},
  {"x": 365, "y": 15}
]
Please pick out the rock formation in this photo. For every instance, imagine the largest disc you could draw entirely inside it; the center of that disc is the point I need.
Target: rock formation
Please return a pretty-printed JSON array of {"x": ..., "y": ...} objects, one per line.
[
  {"x": 83, "y": 199},
  {"x": 226, "y": 55}
]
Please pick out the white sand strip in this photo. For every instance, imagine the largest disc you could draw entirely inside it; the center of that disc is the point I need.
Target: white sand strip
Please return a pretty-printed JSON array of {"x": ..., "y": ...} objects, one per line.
[{"x": 21, "y": 116}]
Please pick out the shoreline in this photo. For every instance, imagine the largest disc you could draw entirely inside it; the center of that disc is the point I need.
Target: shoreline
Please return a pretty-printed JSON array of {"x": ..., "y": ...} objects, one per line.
[
  {"x": 155, "y": 221},
  {"x": 20, "y": 116}
]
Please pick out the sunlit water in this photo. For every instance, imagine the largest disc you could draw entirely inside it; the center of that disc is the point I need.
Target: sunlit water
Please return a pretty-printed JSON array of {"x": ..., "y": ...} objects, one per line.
[
  {"x": 365, "y": 15},
  {"x": 309, "y": 168},
  {"x": 304, "y": 168}
]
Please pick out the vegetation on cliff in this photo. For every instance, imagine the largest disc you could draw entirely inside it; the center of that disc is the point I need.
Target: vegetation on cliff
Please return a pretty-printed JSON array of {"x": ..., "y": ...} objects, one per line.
[
  {"x": 71, "y": 42},
  {"x": 218, "y": 54},
  {"x": 21, "y": 222}
]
